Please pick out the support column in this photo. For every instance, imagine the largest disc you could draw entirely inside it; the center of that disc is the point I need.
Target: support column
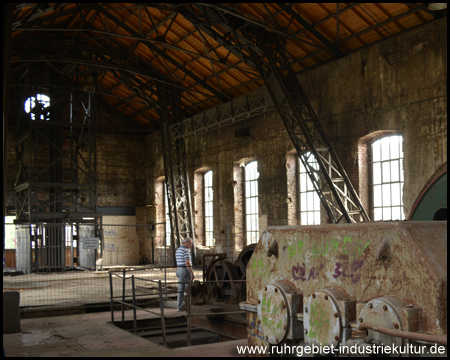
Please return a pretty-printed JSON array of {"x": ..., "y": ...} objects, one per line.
[{"x": 176, "y": 173}]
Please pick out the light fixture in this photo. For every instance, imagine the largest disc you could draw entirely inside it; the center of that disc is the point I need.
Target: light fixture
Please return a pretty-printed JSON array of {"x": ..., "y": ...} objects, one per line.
[{"x": 437, "y": 6}]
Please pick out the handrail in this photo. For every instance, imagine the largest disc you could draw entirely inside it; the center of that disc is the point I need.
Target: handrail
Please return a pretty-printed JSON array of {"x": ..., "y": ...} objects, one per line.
[{"x": 113, "y": 299}]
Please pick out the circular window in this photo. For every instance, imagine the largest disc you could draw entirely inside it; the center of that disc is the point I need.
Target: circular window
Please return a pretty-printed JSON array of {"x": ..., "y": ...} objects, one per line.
[{"x": 36, "y": 107}]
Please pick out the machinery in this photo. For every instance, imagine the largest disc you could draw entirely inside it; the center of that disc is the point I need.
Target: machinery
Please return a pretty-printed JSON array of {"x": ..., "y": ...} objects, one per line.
[
  {"x": 219, "y": 296},
  {"x": 359, "y": 285},
  {"x": 358, "y": 289},
  {"x": 431, "y": 204},
  {"x": 354, "y": 289}
]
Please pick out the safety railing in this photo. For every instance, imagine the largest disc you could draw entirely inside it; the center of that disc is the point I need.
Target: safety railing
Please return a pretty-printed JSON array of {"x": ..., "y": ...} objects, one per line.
[{"x": 163, "y": 294}]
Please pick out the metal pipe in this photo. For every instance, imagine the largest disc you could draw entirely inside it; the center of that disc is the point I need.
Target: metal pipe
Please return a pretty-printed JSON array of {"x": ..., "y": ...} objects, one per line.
[
  {"x": 134, "y": 305},
  {"x": 112, "y": 295},
  {"x": 165, "y": 260},
  {"x": 441, "y": 340},
  {"x": 189, "y": 314},
  {"x": 123, "y": 296},
  {"x": 161, "y": 305}
]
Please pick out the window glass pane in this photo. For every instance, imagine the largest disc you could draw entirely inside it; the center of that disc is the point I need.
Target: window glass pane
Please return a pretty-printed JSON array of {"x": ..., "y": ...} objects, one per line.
[
  {"x": 386, "y": 172},
  {"x": 303, "y": 201},
  {"x": 395, "y": 147},
  {"x": 386, "y": 190},
  {"x": 395, "y": 171},
  {"x": 377, "y": 200},
  {"x": 251, "y": 202},
  {"x": 316, "y": 217},
  {"x": 376, "y": 173},
  {"x": 208, "y": 208},
  {"x": 385, "y": 149},
  {"x": 37, "y": 104},
  {"x": 395, "y": 194},
  {"x": 378, "y": 214},
  {"x": 387, "y": 213},
  {"x": 309, "y": 199},
  {"x": 388, "y": 196},
  {"x": 167, "y": 216},
  {"x": 376, "y": 151},
  {"x": 396, "y": 215},
  {"x": 401, "y": 170}
]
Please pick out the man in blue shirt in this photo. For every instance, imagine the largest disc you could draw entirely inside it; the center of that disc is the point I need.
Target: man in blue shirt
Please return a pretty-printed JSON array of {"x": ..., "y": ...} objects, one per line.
[{"x": 184, "y": 269}]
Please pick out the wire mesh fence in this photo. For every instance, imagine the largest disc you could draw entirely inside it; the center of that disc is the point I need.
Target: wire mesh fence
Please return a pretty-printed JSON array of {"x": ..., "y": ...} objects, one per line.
[{"x": 64, "y": 265}]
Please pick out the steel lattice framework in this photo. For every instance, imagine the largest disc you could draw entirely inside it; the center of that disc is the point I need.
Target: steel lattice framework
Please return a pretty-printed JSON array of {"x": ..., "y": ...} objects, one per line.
[
  {"x": 177, "y": 178},
  {"x": 190, "y": 68},
  {"x": 263, "y": 50},
  {"x": 331, "y": 182},
  {"x": 57, "y": 163}
]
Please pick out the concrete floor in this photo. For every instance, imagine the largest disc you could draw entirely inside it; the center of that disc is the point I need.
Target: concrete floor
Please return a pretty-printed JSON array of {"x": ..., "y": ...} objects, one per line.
[{"x": 92, "y": 335}]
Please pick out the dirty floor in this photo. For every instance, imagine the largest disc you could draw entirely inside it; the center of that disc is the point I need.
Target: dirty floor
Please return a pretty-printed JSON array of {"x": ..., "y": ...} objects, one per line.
[{"x": 93, "y": 335}]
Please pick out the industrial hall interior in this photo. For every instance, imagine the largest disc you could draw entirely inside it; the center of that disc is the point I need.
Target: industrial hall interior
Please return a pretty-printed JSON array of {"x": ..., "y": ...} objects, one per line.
[{"x": 290, "y": 158}]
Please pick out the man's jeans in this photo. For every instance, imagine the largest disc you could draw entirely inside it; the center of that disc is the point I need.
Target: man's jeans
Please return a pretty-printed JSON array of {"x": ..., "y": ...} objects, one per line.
[{"x": 184, "y": 276}]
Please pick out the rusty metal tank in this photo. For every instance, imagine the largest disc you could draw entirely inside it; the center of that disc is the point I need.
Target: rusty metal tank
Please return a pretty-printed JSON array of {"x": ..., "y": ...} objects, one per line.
[{"x": 349, "y": 284}]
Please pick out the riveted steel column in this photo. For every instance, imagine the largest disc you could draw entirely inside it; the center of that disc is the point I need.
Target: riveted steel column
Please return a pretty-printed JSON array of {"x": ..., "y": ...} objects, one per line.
[{"x": 177, "y": 179}]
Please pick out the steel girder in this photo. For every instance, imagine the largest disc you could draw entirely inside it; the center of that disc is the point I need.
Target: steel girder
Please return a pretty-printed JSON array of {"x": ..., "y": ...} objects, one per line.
[
  {"x": 255, "y": 103},
  {"x": 176, "y": 174},
  {"x": 262, "y": 50},
  {"x": 57, "y": 163},
  {"x": 331, "y": 182}
]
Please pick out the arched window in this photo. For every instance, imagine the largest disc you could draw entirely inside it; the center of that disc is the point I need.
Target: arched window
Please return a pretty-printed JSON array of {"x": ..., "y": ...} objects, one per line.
[
  {"x": 208, "y": 206},
  {"x": 251, "y": 202},
  {"x": 36, "y": 107},
  {"x": 387, "y": 178},
  {"x": 309, "y": 199},
  {"x": 167, "y": 216}
]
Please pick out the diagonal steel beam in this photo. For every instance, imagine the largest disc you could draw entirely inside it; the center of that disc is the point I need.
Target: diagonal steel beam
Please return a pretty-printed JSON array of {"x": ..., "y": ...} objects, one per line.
[
  {"x": 312, "y": 29},
  {"x": 331, "y": 183}
]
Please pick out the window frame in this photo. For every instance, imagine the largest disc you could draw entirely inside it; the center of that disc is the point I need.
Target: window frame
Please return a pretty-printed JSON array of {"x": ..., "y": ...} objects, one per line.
[
  {"x": 380, "y": 180},
  {"x": 38, "y": 98},
  {"x": 251, "y": 203},
  {"x": 208, "y": 208},
  {"x": 168, "y": 227},
  {"x": 313, "y": 216}
]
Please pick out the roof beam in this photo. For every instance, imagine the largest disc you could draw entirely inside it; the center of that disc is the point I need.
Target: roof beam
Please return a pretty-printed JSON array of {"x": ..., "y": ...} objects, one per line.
[
  {"x": 312, "y": 29},
  {"x": 165, "y": 56}
]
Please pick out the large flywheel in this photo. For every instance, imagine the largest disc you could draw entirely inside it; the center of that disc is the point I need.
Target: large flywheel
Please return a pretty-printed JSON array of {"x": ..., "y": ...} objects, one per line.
[
  {"x": 221, "y": 272},
  {"x": 243, "y": 259}
]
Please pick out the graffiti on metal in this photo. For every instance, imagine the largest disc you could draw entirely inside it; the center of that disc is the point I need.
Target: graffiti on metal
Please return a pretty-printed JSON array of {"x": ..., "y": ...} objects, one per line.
[
  {"x": 270, "y": 320},
  {"x": 333, "y": 247},
  {"x": 319, "y": 321},
  {"x": 346, "y": 269},
  {"x": 299, "y": 272},
  {"x": 255, "y": 332},
  {"x": 258, "y": 267},
  {"x": 349, "y": 270}
]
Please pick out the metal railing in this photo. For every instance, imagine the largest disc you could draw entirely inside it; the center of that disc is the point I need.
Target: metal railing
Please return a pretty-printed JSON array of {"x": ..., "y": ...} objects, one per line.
[{"x": 162, "y": 293}]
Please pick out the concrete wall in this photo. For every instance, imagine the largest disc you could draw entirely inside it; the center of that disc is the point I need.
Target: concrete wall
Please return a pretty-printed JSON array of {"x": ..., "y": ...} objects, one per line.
[{"x": 121, "y": 245}]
